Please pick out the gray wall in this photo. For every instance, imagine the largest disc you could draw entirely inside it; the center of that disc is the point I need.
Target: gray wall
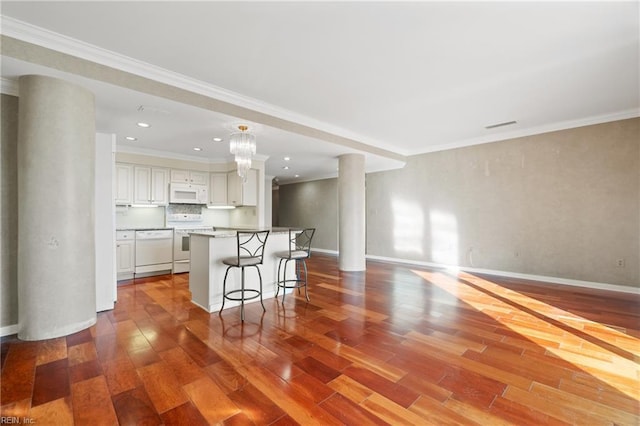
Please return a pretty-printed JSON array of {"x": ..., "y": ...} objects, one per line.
[
  {"x": 275, "y": 206},
  {"x": 9, "y": 211},
  {"x": 563, "y": 204},
  {"x": 311, "y": 204}
]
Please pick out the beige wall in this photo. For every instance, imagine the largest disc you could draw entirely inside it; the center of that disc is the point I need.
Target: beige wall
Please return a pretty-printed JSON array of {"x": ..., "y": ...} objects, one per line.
[
  {"x": 563, "y": 204},
  {"x": 9, "y": 211},
  {"x": 56, "y": 244},
  {"x": 311, "y": 204}
]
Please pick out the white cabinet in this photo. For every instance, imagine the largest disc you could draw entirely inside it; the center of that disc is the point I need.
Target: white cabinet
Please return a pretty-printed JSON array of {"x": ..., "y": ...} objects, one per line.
[
  {"x": 189, "y": 187},
  {"x": 159, "y": 186},
  {"x": 151, "y": 185},
  {"x": 125, "y": 254},
  {"x": 242, "y": 194},
  {"x": 123, "y": 184},
  {"x": 189, "y": 176},
  {"x": 218, "y": 189},
  {"x": 181, "y": 176}
]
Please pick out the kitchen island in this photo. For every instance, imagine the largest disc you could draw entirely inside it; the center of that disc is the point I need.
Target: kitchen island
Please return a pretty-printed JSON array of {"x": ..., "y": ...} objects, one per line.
[{"x": 207, "y": 270}]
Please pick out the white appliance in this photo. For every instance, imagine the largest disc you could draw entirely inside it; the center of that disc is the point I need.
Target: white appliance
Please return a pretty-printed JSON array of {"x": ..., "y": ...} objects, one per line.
[
  {"x": 184, "y": 193},
  {"x": 154, "y": 252},
  {"x": 183, "y": 225}
]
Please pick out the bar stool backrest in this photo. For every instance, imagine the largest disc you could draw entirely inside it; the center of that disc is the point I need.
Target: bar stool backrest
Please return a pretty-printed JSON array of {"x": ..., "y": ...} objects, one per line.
[
  {"x": 301, "y": 240},
  {"x": 251, "y": 245}
]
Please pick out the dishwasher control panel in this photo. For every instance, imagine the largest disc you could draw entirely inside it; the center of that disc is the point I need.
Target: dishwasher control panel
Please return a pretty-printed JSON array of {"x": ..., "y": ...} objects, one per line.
[{"x": 154, "y": 234}]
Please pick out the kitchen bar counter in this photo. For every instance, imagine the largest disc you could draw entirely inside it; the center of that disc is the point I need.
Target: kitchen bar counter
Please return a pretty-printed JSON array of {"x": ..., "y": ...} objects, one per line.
[
  {"x": 207, "y": 270},
  {"x": 231, "y": 232}
]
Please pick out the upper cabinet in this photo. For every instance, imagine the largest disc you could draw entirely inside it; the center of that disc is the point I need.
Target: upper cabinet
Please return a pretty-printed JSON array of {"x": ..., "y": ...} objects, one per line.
[
  {"x": 218, "y": 189},
  {"x": 189, "y": 176},
  {"x": 151, "y": 185},
  {"x": 242, "y": 194},
  {"x": 123, "y": 184}
]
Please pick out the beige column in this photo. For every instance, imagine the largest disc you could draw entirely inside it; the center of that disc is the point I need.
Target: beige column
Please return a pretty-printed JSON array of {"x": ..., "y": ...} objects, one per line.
[
  {"x": 351, "y": 213},
  {"x": 56, "y": 250}
]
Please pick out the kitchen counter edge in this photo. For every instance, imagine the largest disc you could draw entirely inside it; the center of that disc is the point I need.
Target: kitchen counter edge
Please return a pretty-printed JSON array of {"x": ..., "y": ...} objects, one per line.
[
  {"x": 145, "y": 229},
  {"x": 231, "y": 232}
]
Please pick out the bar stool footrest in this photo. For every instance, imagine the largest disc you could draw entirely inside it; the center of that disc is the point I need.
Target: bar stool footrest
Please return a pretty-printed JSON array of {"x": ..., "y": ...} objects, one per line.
[
  {"x": 298, "y": 283},
  {"x": 256, "y": 293}
]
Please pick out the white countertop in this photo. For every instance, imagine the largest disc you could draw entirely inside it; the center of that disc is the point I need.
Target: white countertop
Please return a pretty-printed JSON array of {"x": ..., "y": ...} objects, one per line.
[
  {"x": 231, "y": 232},
  {"x": 163, "y": 228}
]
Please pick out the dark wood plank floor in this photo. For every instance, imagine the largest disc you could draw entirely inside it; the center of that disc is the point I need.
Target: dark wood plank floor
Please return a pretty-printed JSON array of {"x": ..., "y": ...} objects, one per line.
[{"x": 394, "y": 345}]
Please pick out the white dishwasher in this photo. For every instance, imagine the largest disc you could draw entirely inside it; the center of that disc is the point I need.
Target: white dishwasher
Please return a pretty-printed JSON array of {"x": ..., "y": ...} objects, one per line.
[{"x": 154, "y": 252}]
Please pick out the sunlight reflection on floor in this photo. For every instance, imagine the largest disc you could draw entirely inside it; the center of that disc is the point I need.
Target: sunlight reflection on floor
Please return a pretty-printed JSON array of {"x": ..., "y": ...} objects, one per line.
[{"x": 496, "y": 301}]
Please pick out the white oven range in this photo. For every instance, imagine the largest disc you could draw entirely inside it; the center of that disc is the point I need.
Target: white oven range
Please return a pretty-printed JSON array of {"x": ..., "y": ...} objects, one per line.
[{"x": 183, "y": 225}]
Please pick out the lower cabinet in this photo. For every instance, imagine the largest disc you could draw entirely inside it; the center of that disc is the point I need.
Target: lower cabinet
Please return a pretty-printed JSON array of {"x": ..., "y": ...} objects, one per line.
[{"x": 125, "y": 254}]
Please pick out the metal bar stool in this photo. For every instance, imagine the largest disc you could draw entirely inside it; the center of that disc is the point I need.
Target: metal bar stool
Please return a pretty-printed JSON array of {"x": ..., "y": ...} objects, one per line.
[
  {"x": 250, "y": 253},
  {"x": 299, "y": 250}
]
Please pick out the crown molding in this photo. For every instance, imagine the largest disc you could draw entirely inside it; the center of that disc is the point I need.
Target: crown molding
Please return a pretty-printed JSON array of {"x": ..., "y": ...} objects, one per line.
[
  {"x": 175, "y": 156},
  {"x": 170, "y": 155},
  {"x": 57, "y": 42},
  {"x": 285, "y": 181},
  {"x": 537, "y": 130},
  {"x": 9, "y": 86}
]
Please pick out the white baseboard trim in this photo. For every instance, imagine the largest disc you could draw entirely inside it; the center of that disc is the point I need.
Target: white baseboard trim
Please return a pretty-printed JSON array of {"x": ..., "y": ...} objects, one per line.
[
  {"x": 61, "y": 332},
  {"x": 507, "y": 274},
  {"x": 8, "y": 330},
  {"x": 334, "y": 252}
]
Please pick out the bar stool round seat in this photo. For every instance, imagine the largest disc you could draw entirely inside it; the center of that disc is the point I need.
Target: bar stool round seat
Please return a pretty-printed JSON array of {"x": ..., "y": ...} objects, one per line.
[
  {"x": 299, "y": 251},
  {"x": 250, "y": 253}
]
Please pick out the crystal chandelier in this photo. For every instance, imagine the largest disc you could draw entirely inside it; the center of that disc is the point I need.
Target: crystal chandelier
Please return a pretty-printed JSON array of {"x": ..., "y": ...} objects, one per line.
[{"x": 243, "y": 146}]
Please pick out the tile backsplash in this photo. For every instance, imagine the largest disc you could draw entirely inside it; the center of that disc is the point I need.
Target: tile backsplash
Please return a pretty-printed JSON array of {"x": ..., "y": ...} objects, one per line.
[{"x": 184, "y": 209}]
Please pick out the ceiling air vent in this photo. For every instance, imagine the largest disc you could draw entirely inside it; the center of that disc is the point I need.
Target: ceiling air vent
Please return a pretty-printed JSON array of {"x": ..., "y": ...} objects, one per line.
[
  {"x": 506, "y": 123},
  {"x": 153, "y": 110}
]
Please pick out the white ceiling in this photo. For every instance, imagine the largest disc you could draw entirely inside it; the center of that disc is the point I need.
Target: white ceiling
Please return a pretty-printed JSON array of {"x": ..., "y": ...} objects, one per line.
[{"x": 405, "y": 77}]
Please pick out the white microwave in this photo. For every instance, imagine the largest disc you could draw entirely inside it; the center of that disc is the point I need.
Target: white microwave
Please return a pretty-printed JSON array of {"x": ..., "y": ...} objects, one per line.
[{"x": 184, "y": 193}]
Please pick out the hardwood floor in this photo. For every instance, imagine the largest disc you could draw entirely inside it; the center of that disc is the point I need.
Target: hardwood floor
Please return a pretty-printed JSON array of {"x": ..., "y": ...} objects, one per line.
[{"x": 394, "y": 345}]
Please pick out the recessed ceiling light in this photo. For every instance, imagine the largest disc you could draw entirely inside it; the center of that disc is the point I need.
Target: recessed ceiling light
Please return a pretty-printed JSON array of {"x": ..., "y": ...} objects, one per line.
[
  {"x": 286, "y": 167},
  {"x": 287, "y": 158},
  {"x": 217, "y": 139},
  {"x": 145, "y": 125},
  {"x": 197, "y": 148},
  {"x": 131, "y": 138},
  {"x": 297, "y": 176}
]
